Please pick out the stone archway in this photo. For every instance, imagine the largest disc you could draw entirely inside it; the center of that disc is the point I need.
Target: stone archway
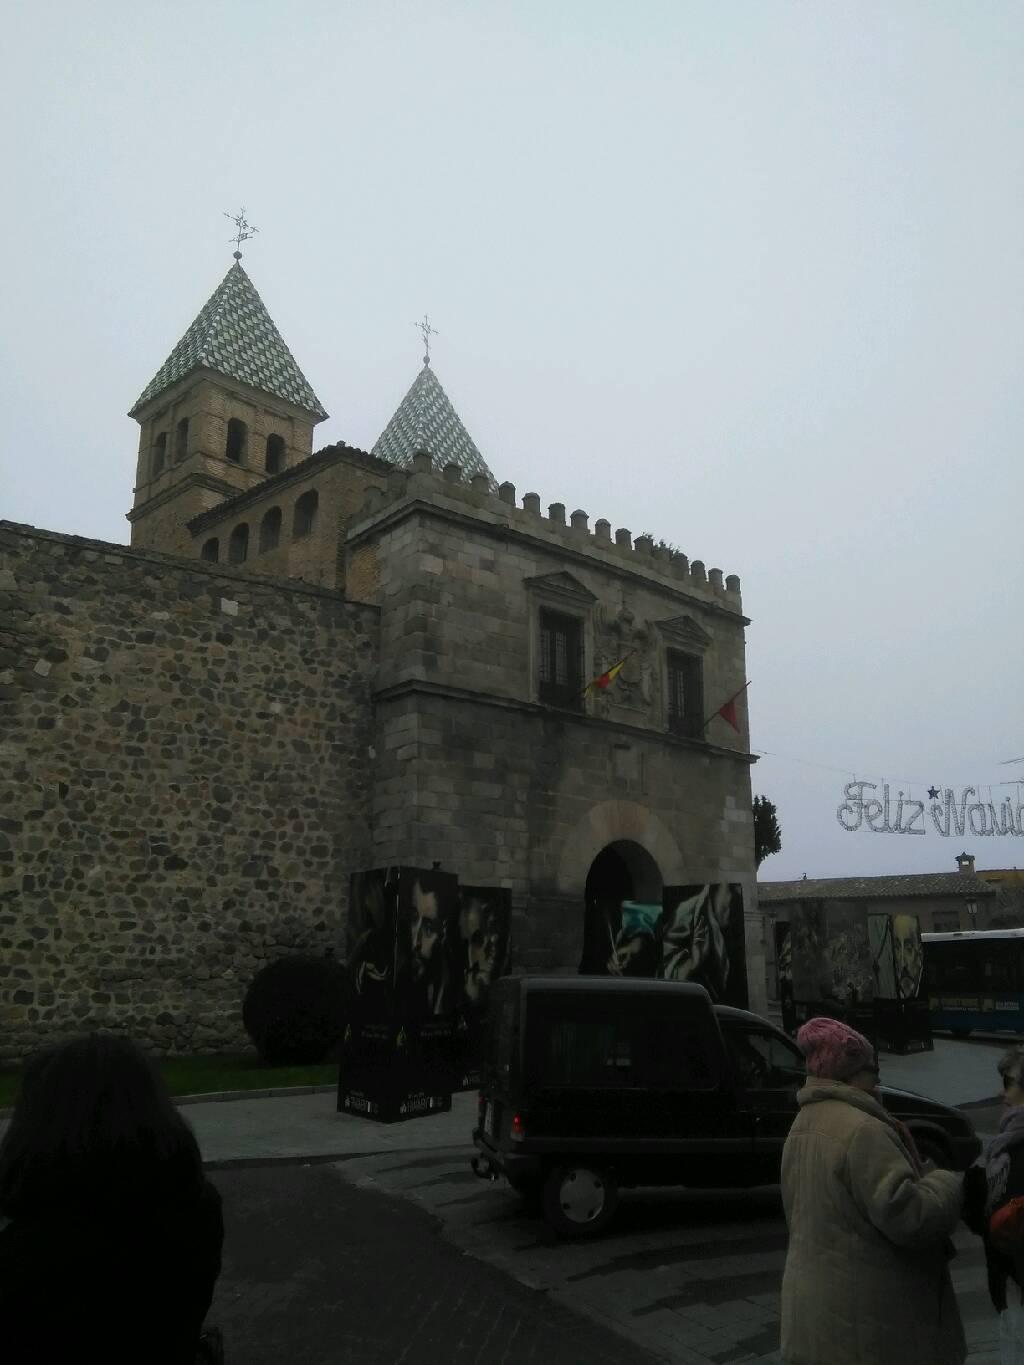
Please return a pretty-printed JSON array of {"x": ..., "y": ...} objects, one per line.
[
  {"x": 624, "y": 869},
  {"x": 617, "y": 822},
  {"x": 622, "y": 899}
]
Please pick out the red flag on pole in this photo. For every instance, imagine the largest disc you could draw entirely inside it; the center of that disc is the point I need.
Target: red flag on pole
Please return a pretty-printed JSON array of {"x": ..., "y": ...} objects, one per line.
[{"x": 728, "y": 710}]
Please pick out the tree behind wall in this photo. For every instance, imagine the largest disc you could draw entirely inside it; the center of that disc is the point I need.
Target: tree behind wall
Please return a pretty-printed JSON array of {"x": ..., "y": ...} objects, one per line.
[{"x": 767, "y": 835}]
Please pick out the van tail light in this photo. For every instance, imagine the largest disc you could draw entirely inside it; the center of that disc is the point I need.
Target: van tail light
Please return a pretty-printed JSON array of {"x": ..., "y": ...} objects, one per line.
[{"x": 518, "y": 1127}]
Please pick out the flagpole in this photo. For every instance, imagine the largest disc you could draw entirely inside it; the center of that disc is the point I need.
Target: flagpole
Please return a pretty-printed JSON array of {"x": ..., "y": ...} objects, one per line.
[{"x": 724, "y": 704}]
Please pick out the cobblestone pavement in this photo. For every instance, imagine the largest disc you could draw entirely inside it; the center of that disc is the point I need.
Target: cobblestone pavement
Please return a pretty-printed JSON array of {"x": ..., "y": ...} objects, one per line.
[
  {"x": 692, "y": 1277},
  {"x": 321, "y": 1273}
]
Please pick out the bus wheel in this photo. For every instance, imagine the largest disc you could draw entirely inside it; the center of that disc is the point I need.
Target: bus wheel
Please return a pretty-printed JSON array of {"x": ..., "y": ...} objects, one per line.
[
  {"x": 579, "y": 1200},
  {"x": 960, "y": 1032}
]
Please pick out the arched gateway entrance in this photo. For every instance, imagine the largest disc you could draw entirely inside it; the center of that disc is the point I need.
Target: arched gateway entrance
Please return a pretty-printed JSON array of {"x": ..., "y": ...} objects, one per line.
[{"x": 622, "y": 906}]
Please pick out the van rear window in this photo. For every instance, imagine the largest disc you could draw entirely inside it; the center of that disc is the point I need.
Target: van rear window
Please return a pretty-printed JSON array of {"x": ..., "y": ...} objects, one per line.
[{"x": 619, "y": 1044}]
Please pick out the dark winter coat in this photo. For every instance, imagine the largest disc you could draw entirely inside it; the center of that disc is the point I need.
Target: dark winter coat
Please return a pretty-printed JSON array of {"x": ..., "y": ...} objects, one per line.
[
  {"x": 119, "y": 1287},
  {"x": 987, "y": 1189}
]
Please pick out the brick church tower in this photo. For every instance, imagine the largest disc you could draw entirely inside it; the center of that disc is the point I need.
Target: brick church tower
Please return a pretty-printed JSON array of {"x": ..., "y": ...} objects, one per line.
[{"x": 228, "y": 408}]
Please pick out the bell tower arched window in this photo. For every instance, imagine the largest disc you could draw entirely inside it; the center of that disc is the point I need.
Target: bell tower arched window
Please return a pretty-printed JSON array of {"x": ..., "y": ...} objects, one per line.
[
  {"x": 211, "y": 550},
  {"x": 159, "y": 455},
  {"x": 235, "y": 448},
  {"x": 275, "y": 454},
  {"x": 181, "y": 439}
]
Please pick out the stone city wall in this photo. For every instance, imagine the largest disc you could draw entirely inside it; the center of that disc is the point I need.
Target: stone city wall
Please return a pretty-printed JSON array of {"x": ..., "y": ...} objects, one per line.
[{"x": 184, "y": 787}]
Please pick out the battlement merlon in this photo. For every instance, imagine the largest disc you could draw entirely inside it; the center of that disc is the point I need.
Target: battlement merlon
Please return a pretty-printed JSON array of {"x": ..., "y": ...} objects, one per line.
[{"x": 447, "y": 492}]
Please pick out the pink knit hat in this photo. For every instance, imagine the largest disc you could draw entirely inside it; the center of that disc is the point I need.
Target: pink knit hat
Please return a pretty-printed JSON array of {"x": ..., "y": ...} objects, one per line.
[{"x": 834, "y": 1051}]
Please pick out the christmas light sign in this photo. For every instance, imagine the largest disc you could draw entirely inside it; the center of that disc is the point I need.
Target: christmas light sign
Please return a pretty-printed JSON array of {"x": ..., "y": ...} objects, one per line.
[{"x": 952, "y": 813}]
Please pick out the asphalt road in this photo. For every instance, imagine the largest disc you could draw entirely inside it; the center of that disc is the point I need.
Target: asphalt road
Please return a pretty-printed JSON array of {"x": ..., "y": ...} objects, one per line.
[{"x": 320, "y": 1272}]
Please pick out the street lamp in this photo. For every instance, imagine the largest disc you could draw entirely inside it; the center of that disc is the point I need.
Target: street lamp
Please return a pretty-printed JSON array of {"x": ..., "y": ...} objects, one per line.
[{"x": 972, "y": 911}]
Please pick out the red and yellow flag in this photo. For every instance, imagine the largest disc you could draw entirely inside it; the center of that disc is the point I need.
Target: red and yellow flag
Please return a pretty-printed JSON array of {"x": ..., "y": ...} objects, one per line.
[{"x": 605, "y": 681}]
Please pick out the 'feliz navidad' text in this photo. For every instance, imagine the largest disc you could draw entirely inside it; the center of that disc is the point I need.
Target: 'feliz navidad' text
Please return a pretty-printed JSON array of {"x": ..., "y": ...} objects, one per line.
[{"x": 906, "y": 816}]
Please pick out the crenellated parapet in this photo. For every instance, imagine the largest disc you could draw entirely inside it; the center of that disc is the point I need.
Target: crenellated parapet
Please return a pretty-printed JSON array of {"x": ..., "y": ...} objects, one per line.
[{"x": 642, "y": 554}]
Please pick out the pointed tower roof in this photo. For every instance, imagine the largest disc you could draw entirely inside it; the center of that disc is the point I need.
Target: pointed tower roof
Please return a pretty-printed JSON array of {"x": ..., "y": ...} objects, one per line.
[
  {"x": 235, "y": 335},
  {"x": 426, "y": 420}
]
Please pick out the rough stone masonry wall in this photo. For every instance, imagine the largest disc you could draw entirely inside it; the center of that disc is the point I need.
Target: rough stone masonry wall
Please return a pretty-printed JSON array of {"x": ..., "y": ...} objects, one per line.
[{"x": 184, "y": 787}]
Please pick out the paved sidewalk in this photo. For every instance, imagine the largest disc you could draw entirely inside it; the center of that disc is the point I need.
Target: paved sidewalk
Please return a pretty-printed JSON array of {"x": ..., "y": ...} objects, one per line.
[
  {"x": 955, "y": 1073},
  {"x": 308, "y": 1127}
]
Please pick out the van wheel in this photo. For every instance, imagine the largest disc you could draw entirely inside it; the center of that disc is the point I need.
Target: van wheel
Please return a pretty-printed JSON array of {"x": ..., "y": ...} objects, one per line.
[{"x": 580, "y": 1201}]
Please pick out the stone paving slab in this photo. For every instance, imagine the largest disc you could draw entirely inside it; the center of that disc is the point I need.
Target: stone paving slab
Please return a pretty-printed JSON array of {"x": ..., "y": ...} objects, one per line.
[{"x": 693, "y": 1277}]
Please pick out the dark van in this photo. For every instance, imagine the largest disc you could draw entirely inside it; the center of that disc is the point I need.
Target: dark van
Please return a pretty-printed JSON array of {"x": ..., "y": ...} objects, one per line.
[{"x": 594, "y": 1084}]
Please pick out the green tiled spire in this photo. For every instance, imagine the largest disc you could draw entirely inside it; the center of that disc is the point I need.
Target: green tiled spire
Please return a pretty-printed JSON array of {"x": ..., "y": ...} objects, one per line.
[
  {"x": 235, "y": 335},
  {"x": 426, "y": 420}
]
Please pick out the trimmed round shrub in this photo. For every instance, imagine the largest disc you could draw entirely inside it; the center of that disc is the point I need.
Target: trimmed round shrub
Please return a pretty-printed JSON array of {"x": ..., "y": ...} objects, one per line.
[{"x": 294, "y": 1010}]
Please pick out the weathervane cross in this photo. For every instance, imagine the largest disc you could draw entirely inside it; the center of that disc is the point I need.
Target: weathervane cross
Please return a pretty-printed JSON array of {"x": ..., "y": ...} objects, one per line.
[
  {"x": 427, "y": 332},
  {"x": 243, "y": 231}
]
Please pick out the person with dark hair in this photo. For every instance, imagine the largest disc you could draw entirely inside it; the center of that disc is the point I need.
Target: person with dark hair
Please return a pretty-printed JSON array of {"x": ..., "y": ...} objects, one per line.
[{"x": 110, "y": 1234}]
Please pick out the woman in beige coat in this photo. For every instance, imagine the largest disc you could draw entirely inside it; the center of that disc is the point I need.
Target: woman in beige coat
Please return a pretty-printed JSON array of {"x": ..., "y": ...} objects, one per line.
[{"x": 866, "y": 1279}]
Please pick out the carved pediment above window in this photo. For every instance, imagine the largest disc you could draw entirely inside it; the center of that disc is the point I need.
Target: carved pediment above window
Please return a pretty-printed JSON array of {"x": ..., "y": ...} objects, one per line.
[
  {"x": 683, "y": 632},
  {"x": 561, "y": 587}
]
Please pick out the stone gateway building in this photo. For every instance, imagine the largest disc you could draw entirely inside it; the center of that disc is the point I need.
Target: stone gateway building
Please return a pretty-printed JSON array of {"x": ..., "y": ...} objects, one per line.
[{"x": 312, "y": 663}]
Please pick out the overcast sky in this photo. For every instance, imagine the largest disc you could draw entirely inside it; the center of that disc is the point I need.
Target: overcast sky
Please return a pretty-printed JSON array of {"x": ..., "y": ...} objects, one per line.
[{"x": 745, "y": 275}]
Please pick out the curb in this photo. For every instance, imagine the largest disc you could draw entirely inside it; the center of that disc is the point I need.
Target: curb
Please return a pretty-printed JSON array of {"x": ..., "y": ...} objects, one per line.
[
  {"x": 222, "y": 1096},
  {"x": 277, "y": 1092}
]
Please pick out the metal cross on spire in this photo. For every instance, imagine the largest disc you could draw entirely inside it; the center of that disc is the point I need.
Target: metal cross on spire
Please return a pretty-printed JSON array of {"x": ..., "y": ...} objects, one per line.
[
  {"x": 243, "y": 231},
  {"x": 428, "y": 332}
]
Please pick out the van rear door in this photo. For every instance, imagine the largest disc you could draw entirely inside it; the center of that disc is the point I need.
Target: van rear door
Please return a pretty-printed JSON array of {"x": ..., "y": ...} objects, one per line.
[{"x": 499, "y": 1073}]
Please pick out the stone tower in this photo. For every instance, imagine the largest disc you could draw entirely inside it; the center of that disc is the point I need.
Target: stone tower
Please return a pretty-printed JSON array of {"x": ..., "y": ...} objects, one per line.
[{"x": 228, "y": 408}]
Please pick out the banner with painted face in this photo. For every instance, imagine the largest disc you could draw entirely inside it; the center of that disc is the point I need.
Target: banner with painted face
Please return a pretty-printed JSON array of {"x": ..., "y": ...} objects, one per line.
[
  {"x": 483, "y": 944},
  {"x": 372, "y": 943},
  {"x": 897, "y": 955},
  {"x": 396, "y": 1059},
  {"x": 426, "y": 982},
  {"x": 694, "y": 933},
  {"x": 831, "y": 955},
  {"x": 703, "y": 940}
]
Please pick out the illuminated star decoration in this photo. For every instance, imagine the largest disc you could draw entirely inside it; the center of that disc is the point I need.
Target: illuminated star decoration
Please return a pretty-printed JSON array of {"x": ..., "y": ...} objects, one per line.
[{"x": 933, "y": 793}]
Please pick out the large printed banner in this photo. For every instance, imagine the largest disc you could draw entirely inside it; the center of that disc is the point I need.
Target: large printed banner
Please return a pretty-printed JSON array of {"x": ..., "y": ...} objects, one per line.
[
  {"x": 482, "y": 956},
  {"x": 695, "y": 934},
  {"x": 421, "y": 959},
  {"x": 866, "y": 968}
]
